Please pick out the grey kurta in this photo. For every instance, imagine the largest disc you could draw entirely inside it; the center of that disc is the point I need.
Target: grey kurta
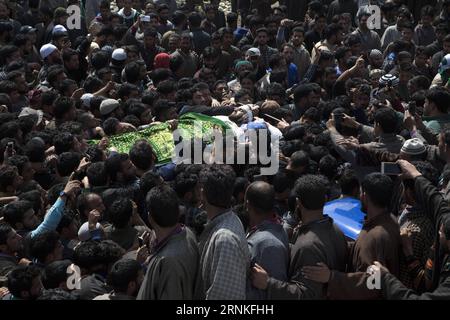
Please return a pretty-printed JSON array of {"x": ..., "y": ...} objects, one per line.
[{"x": 172, "y": 271}]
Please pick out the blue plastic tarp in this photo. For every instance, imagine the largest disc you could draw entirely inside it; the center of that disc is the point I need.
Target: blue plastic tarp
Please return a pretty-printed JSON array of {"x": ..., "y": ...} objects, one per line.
[{"x": 347, "y": 215}]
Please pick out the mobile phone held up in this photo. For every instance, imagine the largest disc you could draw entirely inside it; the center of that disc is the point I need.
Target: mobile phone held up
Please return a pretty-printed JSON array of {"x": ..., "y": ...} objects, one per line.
[
  {"x": 10, "y": 148},
  {"x": 338, "y": 118},
  {"x": 412, "y": 107},
  {"x": 390, "y": 169}
]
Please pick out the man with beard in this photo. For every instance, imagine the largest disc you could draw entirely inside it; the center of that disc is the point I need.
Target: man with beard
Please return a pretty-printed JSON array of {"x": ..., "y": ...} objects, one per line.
[
  {"x": 72, "y": 66},
  {"x": 51, "y": 56},
  {"x": 305, "y": 97},
  {"x": 435, "y": 109},
  {"x": 317, "y": 239},
  {"x": 379, "y": 240},
  {"x": 122, "y": 172},
  {"x": 22, "y": 87},
  {"x": 125, "y": 278},
  {"x": 369, "y": 38},
  {"x": 218, "y": 60},
  {"x": 10, "y": 244},
  {"x": 262, "y": 37}
]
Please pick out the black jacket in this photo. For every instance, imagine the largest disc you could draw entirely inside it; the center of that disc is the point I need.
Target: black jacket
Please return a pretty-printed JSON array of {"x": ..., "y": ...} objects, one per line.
[
  {"x": 394, "y": 289},
  {"x": 436, "y": 207}
]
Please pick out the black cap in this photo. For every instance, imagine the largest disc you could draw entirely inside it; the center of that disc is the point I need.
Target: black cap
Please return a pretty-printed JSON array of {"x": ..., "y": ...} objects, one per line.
[
  {"x": 5, "y": 26},
  {"x": 27, "y": 29}
]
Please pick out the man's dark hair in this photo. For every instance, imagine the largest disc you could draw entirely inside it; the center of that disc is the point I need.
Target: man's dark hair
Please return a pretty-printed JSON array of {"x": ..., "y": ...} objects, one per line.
[
  {"x": 6, "y": 52},
  {"x": 7, "y": 87},
  {"x": 34, "y": 196},
  {"x": 21, "y": 279},
  {"x": 67, "y": 54},
  {"x": 110, "y": 252},
  {"x": 217, "y": 182},
  {"x": 340, "y": 52},
  {"x": 120, "y": 212},
  {"x": 65, "y": 85},
  {"x": 55, "y": 273},
  {"x": 132, "y": 72},
  {"x": 331, "y": 30},
  {"x": 275, "y": 60},
  {"x": 299, "y": 159},
  {"x": 328, "y": 166},
  {"x": 141, "y": 154},
  {"x": 125, "y": 90},
  {"x": 379, "y": 188},
  {"x": 421, "y": 82},
  {"x": 9, "y": 129},
  {"x": 19, "y": 162},
  {"x": 110, "y": 126},
  {"x": 43, "y": 244},
  {"x": 387, "y": 119},
  {"x": 231, "y": 17},
  {"x": 211, "y": 52},
  {"x": 49, "y": 97},
  {"x": 262, "y": 29},
  {"x": 298, "y": 29},
  {"x": 86, "y": 255},
  {"x": 68, "y": 162},
  {"x": 67, "y": 218},
  {"x": 195, "y": 19},
  {"x": 114, "y": 165},
  {"x": 135, "y": 107},
  {"x": 53, "y": 193},
  {"x": 148, "y": 181},
  {"x": 178, "y": 17},
  {"x": 91, "y": 85},
  {"x": 97, "y": 174},
  {"x": 184, "y": 183},
  {"x": 5, "y": 230},
  {"x": 7, "y": 176},
  {"x": 427, "y": 170},
  {"x": 122, "y": 273},
  {"x": 132, "y": 119},
  {"x": 440, "y": 97},
  {"x": 53, "y": 73},
  {"x": 100, "y": 59},
  {"x": 349, "y": 182},
  {"x": 35, "y": 150},
  {"x": 63, "y": 142},
  {"x": 13, "y": 212},
  {"x": 312, "y": 191},
  {"x": 95, "y": 153},
  {"x": 302, "y": 91},
  {"x": 163, "y": 206},
  {"x": 62, "y": 106},
  {"x": 261, "y": 195}
]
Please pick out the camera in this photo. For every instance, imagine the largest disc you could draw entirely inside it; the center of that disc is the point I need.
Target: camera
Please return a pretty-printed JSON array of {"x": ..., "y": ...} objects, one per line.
[{"x": 390, "y": 169}]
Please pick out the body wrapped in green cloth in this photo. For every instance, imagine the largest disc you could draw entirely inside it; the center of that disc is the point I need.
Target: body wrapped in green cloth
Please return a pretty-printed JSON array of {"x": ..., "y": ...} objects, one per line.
[{"x": 160, "y": 136}]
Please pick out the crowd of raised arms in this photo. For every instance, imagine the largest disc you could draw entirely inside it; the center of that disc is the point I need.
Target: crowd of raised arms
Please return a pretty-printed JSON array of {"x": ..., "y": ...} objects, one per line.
[{"x": 352, "y": 97}]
